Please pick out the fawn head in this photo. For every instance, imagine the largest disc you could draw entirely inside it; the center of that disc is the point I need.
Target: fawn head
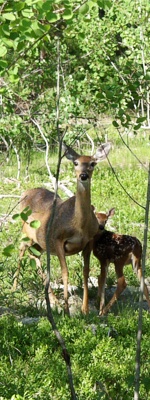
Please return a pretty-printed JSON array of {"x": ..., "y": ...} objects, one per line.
[
  {"x": 84, "y": 165},
  {"x": 103, "y": 217}
]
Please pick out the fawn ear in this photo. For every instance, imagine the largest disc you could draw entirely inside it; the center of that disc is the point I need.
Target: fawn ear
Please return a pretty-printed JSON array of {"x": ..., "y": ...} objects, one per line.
[
  {"x": 111, "y": 212},
  {"x": 102, "y": 151},
  {"x": 69, "y": 152}
]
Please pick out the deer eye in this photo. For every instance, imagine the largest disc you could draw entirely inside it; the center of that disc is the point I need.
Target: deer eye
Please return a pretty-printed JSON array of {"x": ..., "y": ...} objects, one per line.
[
  {"x": 92, "y": 164},
  {"x": 75, "y": 163}
]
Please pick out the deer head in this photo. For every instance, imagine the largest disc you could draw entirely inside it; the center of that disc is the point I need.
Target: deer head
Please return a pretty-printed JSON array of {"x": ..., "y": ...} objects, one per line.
[{"x": 84, "y": 165}]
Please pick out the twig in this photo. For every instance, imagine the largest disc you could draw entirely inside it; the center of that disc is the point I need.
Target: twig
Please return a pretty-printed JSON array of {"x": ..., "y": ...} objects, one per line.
[
  {"x": 139, "y": 334},
  {"x": 35, "y": 122},
  {"x": 131, "y": 150},
  {"x": 128, "y": 194},
  {"x": 91, "y": 141},
  {"x": 3, "y": 196},
  {"x": 18, "y": 159}
]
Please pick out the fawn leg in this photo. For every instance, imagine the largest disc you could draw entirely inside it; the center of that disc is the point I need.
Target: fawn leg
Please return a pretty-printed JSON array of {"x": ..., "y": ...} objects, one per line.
[
  {"x": 101, "y": 286},
  {"x": 121, "y": 285}
]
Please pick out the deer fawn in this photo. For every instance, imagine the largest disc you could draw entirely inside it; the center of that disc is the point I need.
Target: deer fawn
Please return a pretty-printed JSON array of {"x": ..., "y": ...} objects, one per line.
[
  {"x": 70, "y": 230},
  {"x": 121, "y": 250}
]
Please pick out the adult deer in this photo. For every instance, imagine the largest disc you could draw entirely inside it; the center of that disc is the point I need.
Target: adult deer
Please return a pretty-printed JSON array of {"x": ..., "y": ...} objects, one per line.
[
  {"x": 71, "y": 229},
  {"x": 109, "y": 247}
]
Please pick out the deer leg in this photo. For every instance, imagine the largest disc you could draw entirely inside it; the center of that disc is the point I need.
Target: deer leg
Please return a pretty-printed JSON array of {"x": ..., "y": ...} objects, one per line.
[
  {"x": 121, "y": 285},
  {"x": 86, "y": 257},
  {"x": 101, "y": 286},
  {"x": 22, "y": 249},
  {"x": 138, "y": 271},
  {"x": 52, "y": 298}
]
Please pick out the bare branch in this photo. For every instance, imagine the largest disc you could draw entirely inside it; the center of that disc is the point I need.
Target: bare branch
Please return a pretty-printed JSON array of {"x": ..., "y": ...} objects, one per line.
[
  {"x": 2, "y": 196},
  {"x": 128, "y": 194},
  {"x": 60, "y": 339},
  {"x": 35, "y": 122}
]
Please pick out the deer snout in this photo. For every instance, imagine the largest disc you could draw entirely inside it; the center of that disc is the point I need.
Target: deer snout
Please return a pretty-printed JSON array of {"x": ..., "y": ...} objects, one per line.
[
  {"x": 84, "y": 176},
  {"x": 101, "y": 227}
]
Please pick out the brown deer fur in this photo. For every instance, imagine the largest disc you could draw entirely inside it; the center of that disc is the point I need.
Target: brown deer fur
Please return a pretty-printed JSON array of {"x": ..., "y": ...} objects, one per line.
[
  {"x": 109, "y": 247},
  {"x": 70, "y": 230}
]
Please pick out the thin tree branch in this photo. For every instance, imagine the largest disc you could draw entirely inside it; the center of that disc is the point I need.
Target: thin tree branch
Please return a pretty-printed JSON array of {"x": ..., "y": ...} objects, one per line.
[
  {"x": 53, "y": 179},
  {"x": 18, "y": 160},
  {"x": 91, "y": 141},
  {"x": 60, "y": 339},
  {"x": 35, "y": 122},
  {"x": 2, "y": 196},
  {"x": 131, "y": 150},
  {"x": 139, "y": 334},
  {"x": 128, "y": 194}
]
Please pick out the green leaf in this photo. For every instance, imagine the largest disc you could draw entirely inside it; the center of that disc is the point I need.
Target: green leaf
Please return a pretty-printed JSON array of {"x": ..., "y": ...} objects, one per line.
[
  {"x": 107, "y": 3},
  {"x": 18, "y": 6},
  {"x": 26, "y": 23},
  {"x": 8, "y": 250},
  {"x": 140, "y": 119},
  {"x": 24, "y": 216},
  {"x": 3, "y": 50},
  {"x": 29, "y": 212},
  {"x": 8, "y": 42},
  {"x": 47, "y": 5},
  {"x": 26, "y": 209},
  {"x": 9, "y": 16},
  {"x": 104, "y": 3},
  {"x": 68, "y": 14},
  {"x": 5, "y": 29},
  {"x": 25, "y": 239},
  {"x": 35, "y": 251},
  {"x": 136, "y": 127},
  {"x": 147, "y": 76},
  {"x": 27, "y": 13},
  {"x": 31, "y": 2},
  {"x": 3, "y": 64},
  {"x": 37, "y": 28},
  {"x": 51, "y": 17},
  {"x": 115, "y": 124},
  {"x": 100, "y": 3},
  {"x": 15, "y": 216},
  {"x": 35, "y": 224},
  {"x": 32, "y": 263},
  {"x": 84, "y": 9}
]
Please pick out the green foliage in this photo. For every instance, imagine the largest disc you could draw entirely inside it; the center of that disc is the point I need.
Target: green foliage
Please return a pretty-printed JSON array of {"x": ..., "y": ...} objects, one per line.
[
  {"x": 101, "y": 365},
  {"x": 8, "y": 250},
  {"x": 103, "y": 64}
]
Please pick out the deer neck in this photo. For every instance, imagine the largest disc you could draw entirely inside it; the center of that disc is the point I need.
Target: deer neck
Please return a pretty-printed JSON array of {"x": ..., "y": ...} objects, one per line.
[{"x": 83, "y": 202}]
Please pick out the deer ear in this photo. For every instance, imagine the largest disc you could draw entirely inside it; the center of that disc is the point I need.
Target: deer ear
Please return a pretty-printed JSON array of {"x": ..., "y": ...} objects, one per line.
[
  {"x": 69, "y": 153},
  {"x": 102, "y": 151},
  {"x": 92, "y": 207}
]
